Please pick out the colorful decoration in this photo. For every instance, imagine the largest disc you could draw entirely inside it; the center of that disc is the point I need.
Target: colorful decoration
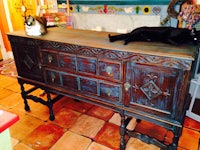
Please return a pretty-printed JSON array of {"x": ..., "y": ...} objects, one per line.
[
  {"x": 78, "y": 8},
  {"x": 111, "y": 9},
  {"x": 146, "y": 10},
  {"x": 137, "y": 9},
  {"x": 85, "y": 8},
  {"x": 72, "y": 8},
  {"x": 120, "y": 9},
  {"x": 128, "y": 9},
  {"x": 105, "y": 10},
  {"x": 156, "y": 10},
  {"x": 102, "y": 9},
  {"x": 190, "y": 15},
  {"x": 55, "y": 18}
]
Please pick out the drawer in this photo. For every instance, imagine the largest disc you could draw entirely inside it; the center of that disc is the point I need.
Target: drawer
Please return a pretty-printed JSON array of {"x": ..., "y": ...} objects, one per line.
[
  {"x": 111, "y": 92},
  {"x": 49, "y": 58},
  {"x": 86, "y": 65},
  {"x": 52, "y": 77},
  {"x": 67, "y": 61},
  {"x": 110, "y": 70},
  {"x": 70, "y": 81},
  {"x": 88, "y": 86}
]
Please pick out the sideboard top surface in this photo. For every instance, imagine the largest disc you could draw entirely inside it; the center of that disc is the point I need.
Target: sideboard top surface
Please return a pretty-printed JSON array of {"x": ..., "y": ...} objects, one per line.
[{"x": 100, "y": 40}]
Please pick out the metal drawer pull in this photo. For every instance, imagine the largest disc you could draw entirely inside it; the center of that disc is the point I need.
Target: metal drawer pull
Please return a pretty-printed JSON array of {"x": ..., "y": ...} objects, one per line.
[
  {"x": 109, "y": 92},
  {"x": 40, "y": 66},
  {"x": 109, "y": 70},
  {"x": 127, "y": 86},
  {"x": 50, "y": 58},
  {"x": 166, "y": 93},
  {"x": 53, "y": 77}
]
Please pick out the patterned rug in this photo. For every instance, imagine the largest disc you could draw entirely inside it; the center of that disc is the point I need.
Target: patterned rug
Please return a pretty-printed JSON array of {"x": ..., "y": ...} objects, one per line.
[{"x": 8, "y": 68}]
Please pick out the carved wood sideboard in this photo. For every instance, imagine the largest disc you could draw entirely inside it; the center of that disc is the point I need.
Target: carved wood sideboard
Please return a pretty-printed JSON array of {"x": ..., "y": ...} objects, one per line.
[{"x": 148, "y": 81}]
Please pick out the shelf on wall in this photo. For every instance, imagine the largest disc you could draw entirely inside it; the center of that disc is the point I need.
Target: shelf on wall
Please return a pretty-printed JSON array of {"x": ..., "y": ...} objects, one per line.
[{"x": 117, "y": 2}]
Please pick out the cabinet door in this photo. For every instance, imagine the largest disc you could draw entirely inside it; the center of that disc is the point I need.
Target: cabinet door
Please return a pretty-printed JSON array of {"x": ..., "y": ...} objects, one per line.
[
  {"x": 153, "y": 89},
  {"x": 26, "y": 54}
]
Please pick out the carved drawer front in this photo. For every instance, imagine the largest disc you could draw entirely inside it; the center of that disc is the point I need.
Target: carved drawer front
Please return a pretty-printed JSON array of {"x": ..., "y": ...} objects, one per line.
[
  {"x": 86, "y": 65},
  {"x": 70, "y": 81},
  {"x": 110, "y": 69},
  {"x": 67, "y": 61},
  {"x": 53, "y": 77},
  {"x": 152, "y": 89},
  {"x": 110, "y": 92},
  {"x": 88, "y": 86},
  {"x": 49, "y": 58}
]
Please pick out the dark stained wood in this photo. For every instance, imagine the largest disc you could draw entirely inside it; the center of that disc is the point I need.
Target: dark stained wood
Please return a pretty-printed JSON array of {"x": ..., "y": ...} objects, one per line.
[
  {"x": 148, "y": 81},
  {"x": 87, "y": 38}
]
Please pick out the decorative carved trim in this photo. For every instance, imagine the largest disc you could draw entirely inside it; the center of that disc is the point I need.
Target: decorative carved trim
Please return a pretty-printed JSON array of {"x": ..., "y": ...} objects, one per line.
[
  {"x": 88, "y": 51},
  {"x": 118, "y": 55},
  {"x": 164, "y": 61},
  {"x": 115, "y": 55},
  {"x": 135, "y": 87},
  {"x": 151, "y": 90},
  {"x": 28, "y": 61},
  {"x": 69, "y": 48}
]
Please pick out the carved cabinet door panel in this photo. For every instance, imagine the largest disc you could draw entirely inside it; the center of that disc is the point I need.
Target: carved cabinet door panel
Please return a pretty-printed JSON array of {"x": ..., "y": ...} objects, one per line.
[
  {"x": 153, "y": 89},
  {"x": 26, "y": 53}
]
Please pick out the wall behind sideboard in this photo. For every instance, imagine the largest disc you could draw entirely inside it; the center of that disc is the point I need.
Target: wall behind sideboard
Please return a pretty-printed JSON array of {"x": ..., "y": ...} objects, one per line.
[
  {"x": 113, "y": 22},
  {"x": 117, "y": 18}
]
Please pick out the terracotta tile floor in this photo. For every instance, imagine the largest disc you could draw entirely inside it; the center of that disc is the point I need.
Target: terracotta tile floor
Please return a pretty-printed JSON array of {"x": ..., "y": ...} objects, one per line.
[{"x": 78, "y": 125}]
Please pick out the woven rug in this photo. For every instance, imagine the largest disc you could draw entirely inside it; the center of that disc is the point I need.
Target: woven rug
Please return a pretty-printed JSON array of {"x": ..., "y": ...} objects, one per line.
[{"x": 8, "y": 68}]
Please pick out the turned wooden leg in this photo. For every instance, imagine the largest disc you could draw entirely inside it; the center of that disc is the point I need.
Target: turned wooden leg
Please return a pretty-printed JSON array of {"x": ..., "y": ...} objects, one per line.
[
  {"x": 177, "y": 133},
  {"x": 23, "y": 93},
  {"x": 50, "y": 106},
  {"x": 122, "y": 131}
]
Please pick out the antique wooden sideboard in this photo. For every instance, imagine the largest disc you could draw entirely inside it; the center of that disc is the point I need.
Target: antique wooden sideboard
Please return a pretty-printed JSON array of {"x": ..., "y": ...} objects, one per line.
[{"x": 148, "y": 81}]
